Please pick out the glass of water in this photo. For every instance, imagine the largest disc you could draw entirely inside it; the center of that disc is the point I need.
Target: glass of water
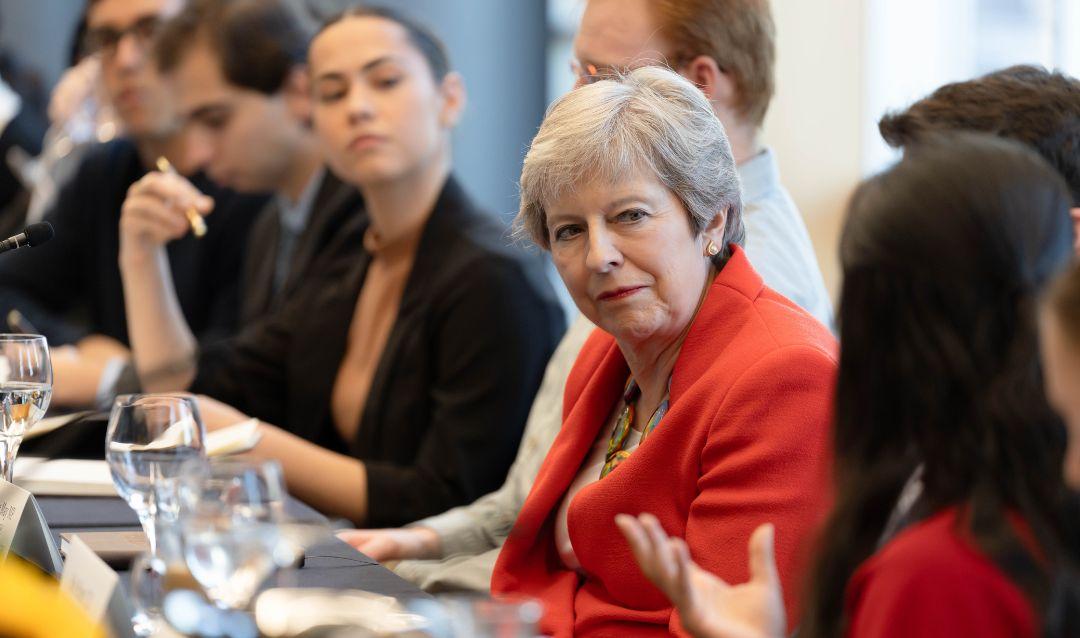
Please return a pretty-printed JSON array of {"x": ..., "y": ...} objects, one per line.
[
  {"x": 232, "y": 527},
  {"x": 25, "y": 390},
  {"x": 149, "y": 440}
]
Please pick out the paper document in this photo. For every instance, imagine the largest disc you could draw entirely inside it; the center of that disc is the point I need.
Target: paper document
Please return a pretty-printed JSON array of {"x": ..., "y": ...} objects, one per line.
[
  {"x": 234, "y": 439},
  {"x": 64, "y": 477}
]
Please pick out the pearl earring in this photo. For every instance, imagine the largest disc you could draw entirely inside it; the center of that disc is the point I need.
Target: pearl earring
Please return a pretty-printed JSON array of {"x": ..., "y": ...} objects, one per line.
[{"x": 711, "y": 249}]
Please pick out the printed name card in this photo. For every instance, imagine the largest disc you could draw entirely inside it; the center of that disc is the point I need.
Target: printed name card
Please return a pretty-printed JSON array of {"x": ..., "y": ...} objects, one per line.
[
  {"x": 96, "y": 587},
  {"x": 23, "y": 529},
  {"x": 12, "y": 503}
]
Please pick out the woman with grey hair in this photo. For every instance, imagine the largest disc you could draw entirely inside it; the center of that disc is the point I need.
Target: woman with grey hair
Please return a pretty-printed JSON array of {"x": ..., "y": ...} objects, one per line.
[{"x": 704, "y": 398}]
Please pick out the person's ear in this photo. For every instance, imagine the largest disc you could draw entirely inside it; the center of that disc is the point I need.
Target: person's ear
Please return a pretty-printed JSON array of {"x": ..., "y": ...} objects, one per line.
[
  {"x": 713, "y": 233},
  {"x": 718, "y": 85},
  {"x": 297, "y": 94},
  {"x": 454, "y": 98}
]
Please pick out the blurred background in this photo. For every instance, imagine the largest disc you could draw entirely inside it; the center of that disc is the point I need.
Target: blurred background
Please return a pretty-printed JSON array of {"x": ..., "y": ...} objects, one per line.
[{"x": 841, "y": 65}]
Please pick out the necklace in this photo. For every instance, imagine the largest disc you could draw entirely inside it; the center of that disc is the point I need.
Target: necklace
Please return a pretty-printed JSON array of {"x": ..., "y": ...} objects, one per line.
[{"x": 615, "y": 452}]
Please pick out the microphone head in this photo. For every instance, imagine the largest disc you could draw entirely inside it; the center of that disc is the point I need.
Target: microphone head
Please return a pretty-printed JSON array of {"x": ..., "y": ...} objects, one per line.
[{"x": 38, "y": 233}]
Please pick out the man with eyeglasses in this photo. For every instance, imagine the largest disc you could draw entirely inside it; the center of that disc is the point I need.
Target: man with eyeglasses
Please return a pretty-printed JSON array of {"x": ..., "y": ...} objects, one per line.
[{"x": 70, "y": 289}]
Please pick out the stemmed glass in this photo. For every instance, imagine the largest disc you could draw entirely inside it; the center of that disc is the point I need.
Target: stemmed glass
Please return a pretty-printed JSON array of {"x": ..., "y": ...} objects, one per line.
[
  {"x": 149, "y": 440},
  {"x": 233, "y": 511},
  {"x": 25, "y": 390}
]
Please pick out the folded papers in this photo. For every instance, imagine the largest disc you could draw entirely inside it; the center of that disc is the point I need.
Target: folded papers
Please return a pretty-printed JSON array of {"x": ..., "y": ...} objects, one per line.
[{"x": 76, "y": 477}]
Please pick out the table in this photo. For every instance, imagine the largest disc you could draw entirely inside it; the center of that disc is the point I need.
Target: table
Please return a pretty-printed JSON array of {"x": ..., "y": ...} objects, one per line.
[{"x": 332, "y": 564}]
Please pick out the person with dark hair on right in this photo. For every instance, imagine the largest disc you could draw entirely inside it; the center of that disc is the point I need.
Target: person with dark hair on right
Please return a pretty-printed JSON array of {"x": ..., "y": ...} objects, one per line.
[
  {"x": 952, "y": 516},
  {"x": 1059, "y": 338},
  {"x": 1025, "y": 103}
]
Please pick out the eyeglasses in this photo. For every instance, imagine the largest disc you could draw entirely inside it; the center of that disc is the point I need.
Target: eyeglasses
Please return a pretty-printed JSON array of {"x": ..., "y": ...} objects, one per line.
[
  {"x": 105, "y": 40},
  {"x": 588, "y": 73}
]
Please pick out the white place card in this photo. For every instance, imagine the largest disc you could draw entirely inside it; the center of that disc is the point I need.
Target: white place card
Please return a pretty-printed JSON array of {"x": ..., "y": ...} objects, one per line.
[
  {"x": 96, "y": 587},
  {"x": 23, "y": 529},
  {"x": 87, "y": 579},
  {"x": 64, "y": 477},
  {"x": 12, "y": 503}
]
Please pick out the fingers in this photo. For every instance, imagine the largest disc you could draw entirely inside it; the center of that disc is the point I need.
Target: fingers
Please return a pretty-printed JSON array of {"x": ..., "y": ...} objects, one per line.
[
  {"x": 763, "y": 556},
  {"x": 173, "y": 188},
  {"x": 639, "y": 543},
  {"x": 651, "y": 549},
  {"x": 156, "y": 207}
]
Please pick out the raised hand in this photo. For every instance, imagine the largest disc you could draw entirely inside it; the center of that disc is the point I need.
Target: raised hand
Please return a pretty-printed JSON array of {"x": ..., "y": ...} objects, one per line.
[
  {"x": 155, "y": 211},
  {"x": 709, "y": 607}
]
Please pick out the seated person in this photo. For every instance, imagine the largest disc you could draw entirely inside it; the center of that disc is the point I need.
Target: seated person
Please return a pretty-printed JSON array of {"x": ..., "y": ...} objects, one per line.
[
  {"x": 1059, "y": 338},
  {"x": 401, "y": 374},
  {"x": 726, "y": 47},
  {"x": 952, "y": 515},
  {"x": 1028, "y": 104},
  {"x": 237, "y": 68},
  {"x": 70, "y": 289},
  {"x": 704, "y": 396}
]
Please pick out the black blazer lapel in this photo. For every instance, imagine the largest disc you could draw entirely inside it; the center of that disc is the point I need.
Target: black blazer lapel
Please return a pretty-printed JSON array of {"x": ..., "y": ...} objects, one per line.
[{"x": 262, "y": 251}]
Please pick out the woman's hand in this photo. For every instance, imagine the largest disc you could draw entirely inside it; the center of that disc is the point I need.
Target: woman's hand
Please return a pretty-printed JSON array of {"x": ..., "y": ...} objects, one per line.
[
  {"x": 708, "y": 606},
  {"x": 394, "y": 544}
]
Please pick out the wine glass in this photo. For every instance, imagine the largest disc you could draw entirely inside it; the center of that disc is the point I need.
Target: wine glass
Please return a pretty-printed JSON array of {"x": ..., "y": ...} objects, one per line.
[
  {"x": 149, "y": 440},
  {"x": 233, "y": 511},
  {"x": 25, "y": 390}
]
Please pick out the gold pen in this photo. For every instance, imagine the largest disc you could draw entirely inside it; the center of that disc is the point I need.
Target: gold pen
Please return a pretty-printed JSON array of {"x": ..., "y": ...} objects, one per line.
[{"x": 198, "y": 224}]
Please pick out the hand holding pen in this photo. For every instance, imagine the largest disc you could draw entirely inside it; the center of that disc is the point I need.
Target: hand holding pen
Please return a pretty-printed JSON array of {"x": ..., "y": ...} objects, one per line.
[
  {"x": 161, "y": 207},
  {"x": 198, "y": 225}
]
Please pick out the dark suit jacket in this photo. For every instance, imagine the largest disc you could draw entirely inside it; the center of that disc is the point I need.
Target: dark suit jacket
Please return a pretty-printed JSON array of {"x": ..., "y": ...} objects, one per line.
[
  {"x": 336, "y": 203},
  {"x": 70, "y": 286},
  {"x": 477, "y": 323}
]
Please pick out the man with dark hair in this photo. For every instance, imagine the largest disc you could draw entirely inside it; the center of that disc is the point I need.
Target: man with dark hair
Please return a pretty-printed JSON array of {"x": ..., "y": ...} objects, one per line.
[
  {"x": 70, "y": 288},
  {"x": 237, "y": 67},
  {"x": 1025, "y": 103}
]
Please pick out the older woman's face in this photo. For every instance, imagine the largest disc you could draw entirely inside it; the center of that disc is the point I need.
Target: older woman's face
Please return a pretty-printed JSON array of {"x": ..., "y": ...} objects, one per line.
[
  {"x": 629, "y": 256},
  {"x": 1061, "y": 362}
]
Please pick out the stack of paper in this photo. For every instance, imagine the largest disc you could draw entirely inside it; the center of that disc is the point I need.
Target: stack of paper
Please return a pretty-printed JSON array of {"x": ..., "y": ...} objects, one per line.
[
  {"x": 76, "y": 477},
  {"x": 63, "y": 477}
]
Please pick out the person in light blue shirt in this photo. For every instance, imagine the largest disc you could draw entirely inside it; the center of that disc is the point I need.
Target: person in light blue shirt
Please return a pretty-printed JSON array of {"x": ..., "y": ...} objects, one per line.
[{"x": 776, "y": 239}]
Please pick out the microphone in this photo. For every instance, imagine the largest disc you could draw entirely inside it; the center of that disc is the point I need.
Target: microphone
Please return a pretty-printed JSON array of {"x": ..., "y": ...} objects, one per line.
[{"x": 32, "y": 235}]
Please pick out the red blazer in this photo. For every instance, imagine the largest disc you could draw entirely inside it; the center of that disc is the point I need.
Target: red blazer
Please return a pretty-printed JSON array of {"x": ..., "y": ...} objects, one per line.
[
  {"x": 745, "y": 441},
  {"x": 932, "y": 581}
]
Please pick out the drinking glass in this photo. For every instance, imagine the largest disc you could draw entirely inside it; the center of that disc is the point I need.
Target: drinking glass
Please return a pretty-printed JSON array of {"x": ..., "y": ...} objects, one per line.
[
  {"x": 149, "y": 440},
  {"x": 147, "y": 593},
  {"x": 25, "y": 390},
  {"x": 233, "y": 511},
  {"x": 478, "y": 616}
]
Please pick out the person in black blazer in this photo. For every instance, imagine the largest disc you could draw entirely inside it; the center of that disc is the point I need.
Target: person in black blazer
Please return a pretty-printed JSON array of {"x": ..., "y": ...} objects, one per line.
[
  {"x": 70, "y": 288},
  {"x": 398, "y": 378},
  {"x": 265, "y": 289}
]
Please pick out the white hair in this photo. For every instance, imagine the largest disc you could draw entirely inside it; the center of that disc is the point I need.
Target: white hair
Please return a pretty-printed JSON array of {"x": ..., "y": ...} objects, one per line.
[{"x": 650, "y": 118}]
